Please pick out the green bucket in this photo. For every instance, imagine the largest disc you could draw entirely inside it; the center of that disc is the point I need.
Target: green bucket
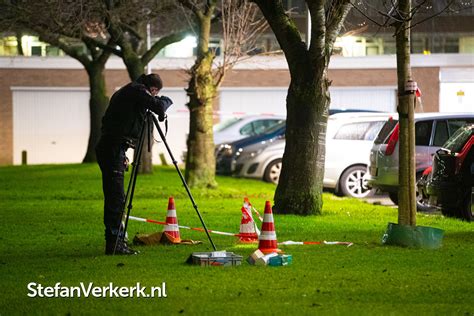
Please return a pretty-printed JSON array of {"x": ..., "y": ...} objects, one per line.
[{"x": 413, "y": 236}]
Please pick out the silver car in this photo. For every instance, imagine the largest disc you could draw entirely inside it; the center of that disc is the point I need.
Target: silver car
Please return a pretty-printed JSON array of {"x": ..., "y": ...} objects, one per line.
[
  {"x": 431, "y": 132},
  {"x": 349, "y": 138},
  {"x": 241, "y": 127}
]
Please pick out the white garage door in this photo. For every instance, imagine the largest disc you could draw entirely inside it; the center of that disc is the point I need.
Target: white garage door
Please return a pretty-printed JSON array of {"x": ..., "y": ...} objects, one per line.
[
  {"x": 366, "y": 98},
  {"x": 51, "y": 124},
  {"x": 456, "y": 90},
  {"x": 252, "y": 101},
  {"x": 248, "y": 101}
]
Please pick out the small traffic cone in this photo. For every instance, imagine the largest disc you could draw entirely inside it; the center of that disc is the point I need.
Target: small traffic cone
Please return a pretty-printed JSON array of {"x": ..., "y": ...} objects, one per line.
[
  {"x": 248, "y": 232},
  {"x": 171, "y": 229},
  {"x": 268, "y": 239}
]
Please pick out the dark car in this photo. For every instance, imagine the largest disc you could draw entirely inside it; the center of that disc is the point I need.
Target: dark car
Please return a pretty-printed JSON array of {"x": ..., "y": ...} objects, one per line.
[
  {"x": 226, "y": 152},
  {"x": 449, "y": 186}
]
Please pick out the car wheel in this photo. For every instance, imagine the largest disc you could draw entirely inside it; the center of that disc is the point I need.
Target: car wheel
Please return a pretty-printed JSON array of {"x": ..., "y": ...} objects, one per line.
[
  {"x": 393, "y": 197},
  {"x": 421, "y": 204},
  {"x": 421, "y": 198},
  {"x": 353, "y": 182},
  {"x": 272, "y": 172}
]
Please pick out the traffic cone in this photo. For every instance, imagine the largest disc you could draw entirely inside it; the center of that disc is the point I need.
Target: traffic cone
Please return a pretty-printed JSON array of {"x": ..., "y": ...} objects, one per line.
[
  {"x": 248, "y": 232},
  {"x": 268, "y": 239},
  {"x": 171, "y": 229}
]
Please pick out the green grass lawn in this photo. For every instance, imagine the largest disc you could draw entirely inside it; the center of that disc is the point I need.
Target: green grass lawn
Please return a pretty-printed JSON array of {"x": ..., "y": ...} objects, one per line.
[{"x": 51, "y": 231}]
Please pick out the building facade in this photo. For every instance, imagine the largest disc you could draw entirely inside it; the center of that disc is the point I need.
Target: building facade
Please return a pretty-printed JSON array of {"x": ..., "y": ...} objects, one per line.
[{"x": 44, "y": 106}]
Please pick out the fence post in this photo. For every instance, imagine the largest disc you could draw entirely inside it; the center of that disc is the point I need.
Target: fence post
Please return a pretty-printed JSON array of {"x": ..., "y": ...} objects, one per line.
[{"x": 24, "y": 157}]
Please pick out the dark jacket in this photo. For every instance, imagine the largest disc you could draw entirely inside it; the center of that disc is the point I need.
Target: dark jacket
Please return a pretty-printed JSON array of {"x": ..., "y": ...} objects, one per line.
[{"x": 126, "y": 112}]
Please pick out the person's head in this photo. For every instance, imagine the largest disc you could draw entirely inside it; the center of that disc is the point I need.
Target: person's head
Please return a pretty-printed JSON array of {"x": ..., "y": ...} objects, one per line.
[{"x": 152, "y": 82}]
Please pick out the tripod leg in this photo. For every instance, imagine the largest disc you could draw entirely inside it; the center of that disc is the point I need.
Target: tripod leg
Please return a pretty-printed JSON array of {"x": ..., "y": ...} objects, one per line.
[
  {"x": 155, "y": 121},
  {"x": 122, "y": 229}
]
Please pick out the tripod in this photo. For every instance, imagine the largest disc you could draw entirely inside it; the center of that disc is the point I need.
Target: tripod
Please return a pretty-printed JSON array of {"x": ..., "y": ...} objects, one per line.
[{"x": 147, "y": 127}]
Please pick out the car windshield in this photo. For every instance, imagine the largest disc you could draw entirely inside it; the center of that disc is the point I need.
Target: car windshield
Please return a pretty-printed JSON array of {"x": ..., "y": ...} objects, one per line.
[
  {"x": 225, "y": 124},
  {"x": 456, "y": 142},
  {"x": 385, "y": 131}
]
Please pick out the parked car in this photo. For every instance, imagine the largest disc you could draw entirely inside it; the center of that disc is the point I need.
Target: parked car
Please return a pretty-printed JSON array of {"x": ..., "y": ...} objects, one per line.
[
  {"x": 242, "y": 127},
  {"x": 449, "y": 184},
  {"x": 226, "y": 152},
  {"x": 349, "y": 138},
  {"x": 432, "y": 130},
  {"x": 237, "y": 128}
]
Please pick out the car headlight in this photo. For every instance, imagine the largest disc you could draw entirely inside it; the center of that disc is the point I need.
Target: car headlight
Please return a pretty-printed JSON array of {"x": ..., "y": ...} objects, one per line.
[
  {"x": 225, "y": 150},
  {"x": 248, "y": 154}
]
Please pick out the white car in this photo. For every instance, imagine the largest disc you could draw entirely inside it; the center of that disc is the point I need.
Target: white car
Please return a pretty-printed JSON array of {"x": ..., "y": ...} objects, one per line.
[
  {"x": 348, "y": 143},
  {"x": 241, "y": 127}
]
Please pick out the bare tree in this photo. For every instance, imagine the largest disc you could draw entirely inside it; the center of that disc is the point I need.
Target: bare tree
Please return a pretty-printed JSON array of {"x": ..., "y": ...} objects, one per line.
[
  {"x": 66, "y": 25},
  {"x": 299, "y": 190},
  {"x": 402, "y": 16},
  {"x": 126, "y": 24},
  {"x": 241, "y": 26}
]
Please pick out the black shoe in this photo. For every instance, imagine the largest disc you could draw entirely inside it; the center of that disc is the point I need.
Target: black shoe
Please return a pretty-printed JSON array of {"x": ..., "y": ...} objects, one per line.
[{"x": 120, "y": 247}]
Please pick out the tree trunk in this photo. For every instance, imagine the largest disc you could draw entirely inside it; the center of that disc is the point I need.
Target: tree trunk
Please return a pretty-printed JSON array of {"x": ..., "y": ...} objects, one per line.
[
  {"x": 135, "y": 68},
  {"x": 406, "y": 176},
  {"x": 97, "y": 105},
  {"x": 300, "y": 187},
  {"x": 200, "y": 159},
  {"x": 19, "y": 45}
]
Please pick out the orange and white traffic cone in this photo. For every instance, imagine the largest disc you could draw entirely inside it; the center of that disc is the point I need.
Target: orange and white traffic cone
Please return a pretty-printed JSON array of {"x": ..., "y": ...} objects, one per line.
[
  {"x": 171, "y": 229},
  {"x": 248, "y": 232},
  {"x": 268, "y": 239}
]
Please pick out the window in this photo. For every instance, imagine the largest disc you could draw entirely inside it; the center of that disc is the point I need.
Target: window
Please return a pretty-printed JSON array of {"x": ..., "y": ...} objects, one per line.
[
  {"x": 459, "y": 139},
  {"x": 385, "y": 131},
  {"x": 455, "y": 124},
  {"x": 423, "y": 133},
  {"x": 247, "y": 129},
  {"x": 262, "y": 125},
  {"x": 258, "y": 127},
  {"x": 441, "y": 133},
  {"x": 373, "y": 130},
  {"x": 359, "y": 131}
]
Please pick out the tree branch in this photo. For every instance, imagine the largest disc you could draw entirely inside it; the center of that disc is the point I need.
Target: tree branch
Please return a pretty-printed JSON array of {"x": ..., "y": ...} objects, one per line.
[
  {"x": 104, "y": 56},
  {"x": 193, "y": 8},
  {"x": 318, "y": 27},
  {"x": 131, "y": 30},
  {"x": 60, "y": 41},
  {"x": 334, "y": 24},
  {"x": 285, "y": 31},
  {"x": 108, "y": 47},
  {"x": 161, "y": 43},
  {"x": 367, "y": 16},
  {"x": 434, "y": 15}
]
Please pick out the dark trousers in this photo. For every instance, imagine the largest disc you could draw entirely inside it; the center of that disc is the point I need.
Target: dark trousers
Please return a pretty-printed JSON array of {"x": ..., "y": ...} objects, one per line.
[{"x": 112, "y": 162}]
